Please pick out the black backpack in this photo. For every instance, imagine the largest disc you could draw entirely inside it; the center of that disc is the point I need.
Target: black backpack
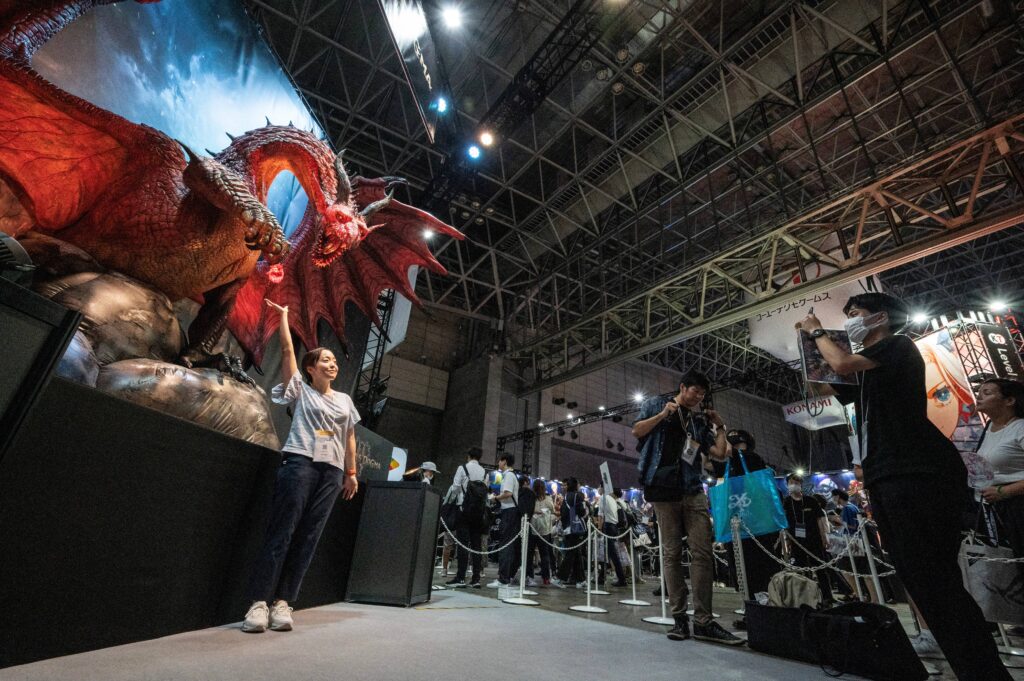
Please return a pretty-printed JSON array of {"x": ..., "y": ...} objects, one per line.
[{"x": 474, "y": 503}]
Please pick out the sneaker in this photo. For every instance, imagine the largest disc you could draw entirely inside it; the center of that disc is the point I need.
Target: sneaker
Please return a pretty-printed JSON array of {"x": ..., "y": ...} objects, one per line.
[
  {"x": 281, "y": 617},
  {"x": 456, "y": 583},
  {"x": 713, "y": 632},
  {"x": 496, "y": 583},
  {"x": 925, "y": 645},
  {"x": 581, "y": 585},
  {"x": 474, "y": 585},
  {"x": 530, "y": 581},
  {"x": 557, "y": 583},
  {"x": 257, "y": 618},
  {"x": 681, "y": 631}
]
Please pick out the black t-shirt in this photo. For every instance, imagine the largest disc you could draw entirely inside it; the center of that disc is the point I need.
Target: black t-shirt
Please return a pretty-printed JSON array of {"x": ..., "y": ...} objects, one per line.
[
  {"x": 753, "y": 460},
  {"x": 893, "y": 409},
  {"x": 675, "y": 478},
  {"x": 804, "y": 514}
]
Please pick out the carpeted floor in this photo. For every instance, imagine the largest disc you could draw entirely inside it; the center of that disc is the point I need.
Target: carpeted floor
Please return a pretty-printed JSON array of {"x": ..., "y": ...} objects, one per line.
[{"x": 458, "y": 635}]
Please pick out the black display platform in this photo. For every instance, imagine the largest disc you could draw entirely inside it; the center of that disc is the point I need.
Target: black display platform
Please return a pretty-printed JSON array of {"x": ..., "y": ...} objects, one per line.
[
  {"x": 120, "y": 523},
  {"x": 398, "y": 529}
]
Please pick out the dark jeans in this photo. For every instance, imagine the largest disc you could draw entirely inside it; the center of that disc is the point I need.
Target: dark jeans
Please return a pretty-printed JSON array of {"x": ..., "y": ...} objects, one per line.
[
  {"x": 546, "y": 559},
  {"x": 304, "y": 495},
  {"x": 612, "y": 550},
  {"x": 919, "y": 521},
  {"x": 508, "y": 561},
  {"x": 467, "y": 536},
  {"x": 572, "y": 570}
]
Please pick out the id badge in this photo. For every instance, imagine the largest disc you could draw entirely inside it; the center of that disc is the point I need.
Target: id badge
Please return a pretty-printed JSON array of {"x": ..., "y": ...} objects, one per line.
[
  {"x": 323, "y": 446},
  {"x": 800, "y": 532},
  {"x": 690, "y": 453}
]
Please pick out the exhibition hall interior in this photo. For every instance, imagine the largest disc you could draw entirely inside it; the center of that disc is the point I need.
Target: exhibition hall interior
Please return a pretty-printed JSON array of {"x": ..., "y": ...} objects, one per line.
[{"x": 494, "y": 339}]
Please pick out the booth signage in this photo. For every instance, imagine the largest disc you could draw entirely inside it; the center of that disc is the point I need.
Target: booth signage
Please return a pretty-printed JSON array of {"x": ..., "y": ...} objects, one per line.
[
  {"x": 1002, "y": 351},
  {"x": 815, "y": 413}
]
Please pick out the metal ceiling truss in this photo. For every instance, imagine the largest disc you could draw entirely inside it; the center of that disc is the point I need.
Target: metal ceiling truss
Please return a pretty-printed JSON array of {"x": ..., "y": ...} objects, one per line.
[
  {"x": 744, "y": 117},
  {"x": 967, "y": 190}
]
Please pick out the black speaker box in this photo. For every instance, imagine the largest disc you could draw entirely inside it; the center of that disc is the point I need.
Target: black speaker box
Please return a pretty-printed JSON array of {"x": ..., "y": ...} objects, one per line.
[{"x": 393, "y": 561}]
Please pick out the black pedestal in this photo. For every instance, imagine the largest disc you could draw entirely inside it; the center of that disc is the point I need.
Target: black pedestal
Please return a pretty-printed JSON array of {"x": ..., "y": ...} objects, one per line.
[{"x": 393, "y": 561}]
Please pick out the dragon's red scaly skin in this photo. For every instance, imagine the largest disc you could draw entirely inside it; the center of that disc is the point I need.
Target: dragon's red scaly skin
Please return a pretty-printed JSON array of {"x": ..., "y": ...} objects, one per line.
[{"x": 195, "y": 226}]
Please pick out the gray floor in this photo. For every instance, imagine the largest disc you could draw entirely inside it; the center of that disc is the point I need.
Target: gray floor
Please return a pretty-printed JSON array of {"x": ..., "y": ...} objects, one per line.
[{"x": 457, "y": 635}]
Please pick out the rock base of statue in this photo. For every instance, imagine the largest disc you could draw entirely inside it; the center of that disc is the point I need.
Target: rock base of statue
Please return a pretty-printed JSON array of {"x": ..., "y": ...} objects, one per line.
[{"x": 129, "y": 340}]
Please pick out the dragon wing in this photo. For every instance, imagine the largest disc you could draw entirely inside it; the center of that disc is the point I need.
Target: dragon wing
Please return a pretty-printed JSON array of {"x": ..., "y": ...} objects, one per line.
[
  {"x": 380, "y": 261},
  {"x": 59, "y": 153}
]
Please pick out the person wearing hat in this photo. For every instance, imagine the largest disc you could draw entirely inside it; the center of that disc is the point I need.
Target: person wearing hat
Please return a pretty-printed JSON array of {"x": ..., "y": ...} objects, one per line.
[{"x": 428, "y": 469}]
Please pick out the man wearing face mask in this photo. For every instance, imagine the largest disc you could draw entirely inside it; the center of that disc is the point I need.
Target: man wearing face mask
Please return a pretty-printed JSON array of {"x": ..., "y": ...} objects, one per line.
[
  {"x": 674, "y": 437},
  {"x": 809, "y": 529},
  {"x": 907, "y": 464}
]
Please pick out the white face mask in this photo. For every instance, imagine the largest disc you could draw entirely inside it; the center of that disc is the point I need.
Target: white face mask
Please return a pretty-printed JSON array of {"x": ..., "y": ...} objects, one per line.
[
  {"x": 858, "y": 328},
  {"x": 794, "y": 488}
]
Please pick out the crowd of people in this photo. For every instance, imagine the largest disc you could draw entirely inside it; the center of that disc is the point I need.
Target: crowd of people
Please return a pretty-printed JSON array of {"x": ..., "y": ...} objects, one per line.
[{"x": 905, "y": 463}]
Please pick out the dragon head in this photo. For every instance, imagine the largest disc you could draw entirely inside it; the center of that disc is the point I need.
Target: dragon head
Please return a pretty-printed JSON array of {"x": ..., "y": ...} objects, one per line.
[{"x": 342, "y": 226}]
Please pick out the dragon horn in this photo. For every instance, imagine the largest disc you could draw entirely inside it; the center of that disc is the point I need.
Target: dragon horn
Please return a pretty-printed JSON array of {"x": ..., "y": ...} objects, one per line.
[
  {"x": 376, "y": 206},
  {"x": 268, "y": 120},
  {"x": 192, "y": 156},
  {"x": 390, "y": 180},
  {"x": 230, "y": 136},
  {"x": 344, "y": 186}
]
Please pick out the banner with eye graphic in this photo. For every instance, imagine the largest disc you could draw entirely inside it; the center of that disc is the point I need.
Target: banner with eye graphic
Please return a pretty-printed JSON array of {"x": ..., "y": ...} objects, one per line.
[{"x": 948, "y": 389}]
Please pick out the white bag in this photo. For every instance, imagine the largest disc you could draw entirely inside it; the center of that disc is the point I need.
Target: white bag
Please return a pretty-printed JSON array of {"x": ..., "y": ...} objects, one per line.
[{"x": 997, "y": 587}]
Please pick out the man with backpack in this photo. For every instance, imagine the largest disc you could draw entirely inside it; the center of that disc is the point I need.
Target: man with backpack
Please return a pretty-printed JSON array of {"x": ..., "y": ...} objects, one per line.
[
  {"x": 471, "y": 496},
  {"x": 508, "y": 520}
]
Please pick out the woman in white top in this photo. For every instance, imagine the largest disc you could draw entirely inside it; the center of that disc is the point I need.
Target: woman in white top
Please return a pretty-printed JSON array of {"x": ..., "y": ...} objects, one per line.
[
  {"x": 543, "y": 521},
  {"x": 1002, "y": 448},
  {"x": 319, "y": 461}
]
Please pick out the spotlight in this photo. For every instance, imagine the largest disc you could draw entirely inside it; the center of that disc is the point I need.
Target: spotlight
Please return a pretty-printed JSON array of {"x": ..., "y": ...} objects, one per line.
[
  {"x": 638, "y": 397},
  {"x": 571, "y": 405},
  {"x": 622, "y": 55},
  {"x": 428, "y": 234},
  {"x": 540, "y": 425},
  {"x": 618, "y": 88},
  {"x": 573, "y": 434},
  {"x": 601, "y": 408},
  {"x": 997, "y": 306},
  {"x": 442, "y": 105},
  {"x": 799, "y": 471},
  {"x": 919, "y": 318},
  {"x": 639, "y": 68},
  {"x": 486, "y": 139},
  {"x": 603, "y": 74},
  {"x": 452, "y": 17},
  {"x": 569, "y": 415},
  {"x": 473, "y": 151}
]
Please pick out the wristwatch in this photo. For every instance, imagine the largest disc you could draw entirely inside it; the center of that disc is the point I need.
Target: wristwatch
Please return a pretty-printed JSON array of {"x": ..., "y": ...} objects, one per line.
[{"x": 817, "y": 333}]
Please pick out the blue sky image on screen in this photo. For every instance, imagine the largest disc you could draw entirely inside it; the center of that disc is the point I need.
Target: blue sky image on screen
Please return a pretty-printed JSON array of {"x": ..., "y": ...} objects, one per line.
[{"x": 194, "y": 70}]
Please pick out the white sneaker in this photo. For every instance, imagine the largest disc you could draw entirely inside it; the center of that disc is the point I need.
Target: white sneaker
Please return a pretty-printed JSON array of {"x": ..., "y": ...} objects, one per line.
[
  {"x": 495, "y": 584},
  {"x": 281, "y": 617},
  {"x": 557, "y": 583},
  {"x": 530, "y": 581},
  {"x": 581, "y": 585},
  {"x": 255, "y": 621},
  {"x": 925, "y": 645}
]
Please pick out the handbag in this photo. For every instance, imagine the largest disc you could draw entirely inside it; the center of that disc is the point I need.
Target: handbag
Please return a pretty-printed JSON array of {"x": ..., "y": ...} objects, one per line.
[
  {"x": 450, "y": 515},
  {"x": 752, "y": 497},
  {"x": 866, "y": 639},
  {"x": 997, "y": 587}
]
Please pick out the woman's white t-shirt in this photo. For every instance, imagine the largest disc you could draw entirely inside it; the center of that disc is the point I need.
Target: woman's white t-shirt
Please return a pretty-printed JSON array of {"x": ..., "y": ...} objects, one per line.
[
  {"x": 314, "y": 411},
  {"x": 1003, "y": 452}
]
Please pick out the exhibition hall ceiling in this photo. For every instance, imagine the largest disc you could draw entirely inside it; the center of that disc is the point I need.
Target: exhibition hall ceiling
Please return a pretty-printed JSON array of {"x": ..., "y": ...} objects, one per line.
[{"x": 685, "y": 130}]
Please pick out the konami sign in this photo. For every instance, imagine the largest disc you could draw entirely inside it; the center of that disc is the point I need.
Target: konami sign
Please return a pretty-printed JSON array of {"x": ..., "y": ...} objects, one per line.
[{"x": 815, "y": 413}]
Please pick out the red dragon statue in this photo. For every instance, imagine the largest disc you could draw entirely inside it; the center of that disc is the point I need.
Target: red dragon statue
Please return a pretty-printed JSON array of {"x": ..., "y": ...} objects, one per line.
[{"x": 140, "y": 203}]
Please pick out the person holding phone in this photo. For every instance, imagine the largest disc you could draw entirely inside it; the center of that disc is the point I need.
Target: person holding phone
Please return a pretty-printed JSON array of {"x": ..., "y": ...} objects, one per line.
[{"x": 319, "y": 462}]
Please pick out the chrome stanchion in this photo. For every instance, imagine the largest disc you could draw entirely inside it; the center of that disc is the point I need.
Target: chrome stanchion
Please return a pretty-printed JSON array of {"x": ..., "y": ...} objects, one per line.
[
  {"x": 853, "y": 568},
  {"x": 664, "y": 619},
  {"x": 632, "y": 573},
  {"x": 863, "y": 531},
  {"x": 596, "y": 590},
  {"x": 524, "y": 540},
  {"x": 588, "y": 607}
]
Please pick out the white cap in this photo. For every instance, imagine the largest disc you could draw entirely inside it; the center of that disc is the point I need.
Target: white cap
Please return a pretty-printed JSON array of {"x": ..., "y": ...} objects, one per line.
[{"x": 428, "y": 466}]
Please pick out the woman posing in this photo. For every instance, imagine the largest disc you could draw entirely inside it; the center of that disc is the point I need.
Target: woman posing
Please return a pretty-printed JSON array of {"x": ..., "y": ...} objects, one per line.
[{"x": 319, "y": 462}]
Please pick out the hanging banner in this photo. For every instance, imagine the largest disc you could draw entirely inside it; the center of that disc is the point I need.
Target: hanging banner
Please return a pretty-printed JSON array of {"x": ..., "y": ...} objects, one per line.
[
  {"x": 407, "y": 24},
  {"x": 396, "y": 470},
  {"x": 1005, "y": 358},
  {"x": 947, "y": 386},
  {"x": 606, "y": 479},
  {"x": 815, "y": 413}
]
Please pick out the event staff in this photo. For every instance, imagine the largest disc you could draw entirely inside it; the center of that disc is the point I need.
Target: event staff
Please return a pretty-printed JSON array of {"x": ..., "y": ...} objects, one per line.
[
  {"x": 1002, "y": 448},
  {"x": 319, "y": 462},
  {"x": 674, "y": 437},
  {"x": 907, "y": 464},
  {"x": 809, "y": 529}
]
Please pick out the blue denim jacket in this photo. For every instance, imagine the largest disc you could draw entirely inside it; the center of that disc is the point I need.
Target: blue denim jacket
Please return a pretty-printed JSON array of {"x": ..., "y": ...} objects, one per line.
[{"x": 650, "y": 446}]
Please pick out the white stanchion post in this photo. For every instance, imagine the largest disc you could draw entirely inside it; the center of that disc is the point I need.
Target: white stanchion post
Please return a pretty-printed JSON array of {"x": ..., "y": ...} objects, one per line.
[
  {"x": 598, "y": 537},
  {"x": 863, "y": 530},
  {"x": 591, "y": 535},
  {"x": 632, "y": 572},
  {"x": 664, "y": 619},
  {"x": 524, "y": 538}
]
